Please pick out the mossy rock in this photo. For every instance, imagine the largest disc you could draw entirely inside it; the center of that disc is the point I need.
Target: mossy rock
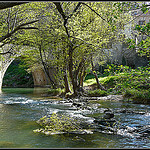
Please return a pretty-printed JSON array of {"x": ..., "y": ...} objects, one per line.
[{"x": 60, "y": 124}]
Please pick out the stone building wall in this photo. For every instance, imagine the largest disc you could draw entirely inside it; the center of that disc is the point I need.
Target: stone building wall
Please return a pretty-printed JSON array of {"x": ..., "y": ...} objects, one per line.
[{"x": 120, "y": 51}]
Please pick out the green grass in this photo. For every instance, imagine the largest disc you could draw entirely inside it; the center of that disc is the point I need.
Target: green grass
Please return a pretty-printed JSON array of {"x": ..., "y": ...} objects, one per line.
[
  {"x": 97, "y": 92},
  {"x": 133, "y": 84}
]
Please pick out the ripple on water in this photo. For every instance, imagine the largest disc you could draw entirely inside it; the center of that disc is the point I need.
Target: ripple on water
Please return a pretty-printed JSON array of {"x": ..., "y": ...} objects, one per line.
[{"x": 33, "y": 109}]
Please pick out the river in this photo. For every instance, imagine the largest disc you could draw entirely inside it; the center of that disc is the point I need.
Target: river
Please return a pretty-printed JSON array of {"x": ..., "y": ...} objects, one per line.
[{"x": 20, "y": 108}]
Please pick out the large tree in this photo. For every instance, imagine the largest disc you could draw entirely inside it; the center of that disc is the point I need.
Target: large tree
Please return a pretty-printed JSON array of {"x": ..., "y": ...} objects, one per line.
[
  {"x": 87, "y": 33},
  {"x": 69, "y": 36}
]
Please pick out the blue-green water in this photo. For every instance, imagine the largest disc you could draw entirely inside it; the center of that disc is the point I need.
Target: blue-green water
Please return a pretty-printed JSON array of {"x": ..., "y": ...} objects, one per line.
[{"x": 20, "y": 108}]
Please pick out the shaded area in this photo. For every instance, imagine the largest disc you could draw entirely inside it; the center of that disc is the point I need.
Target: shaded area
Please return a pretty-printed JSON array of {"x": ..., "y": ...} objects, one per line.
[{"x": 17, "y": 76}]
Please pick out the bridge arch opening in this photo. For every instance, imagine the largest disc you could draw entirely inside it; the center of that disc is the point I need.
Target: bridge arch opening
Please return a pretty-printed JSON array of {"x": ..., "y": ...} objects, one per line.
[{"x": 16, "y": 75}]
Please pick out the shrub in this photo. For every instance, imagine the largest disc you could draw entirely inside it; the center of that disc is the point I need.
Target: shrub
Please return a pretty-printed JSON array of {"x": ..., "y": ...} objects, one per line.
[
  {"x": 97, "y": 92},
  {"x": 109, "y": 81},
  {"x": 142, "y": 96}
]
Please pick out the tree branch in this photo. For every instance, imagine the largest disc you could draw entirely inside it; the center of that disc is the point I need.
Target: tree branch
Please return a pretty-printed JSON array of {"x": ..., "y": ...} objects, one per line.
[
  {"x": 94, "y": 11},
  {"x": 8, "y": 52},
  {"x": 78, "y": 5},
  {"x": 4, "y": 5},
  {"x": 18, "y": 28},
  {"x": 4, "y": 53},
  {"x": 59, "y": 8}
]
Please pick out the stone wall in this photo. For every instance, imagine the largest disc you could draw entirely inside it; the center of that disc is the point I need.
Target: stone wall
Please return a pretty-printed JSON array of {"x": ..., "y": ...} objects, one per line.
[{"x": 39, "y": 78}]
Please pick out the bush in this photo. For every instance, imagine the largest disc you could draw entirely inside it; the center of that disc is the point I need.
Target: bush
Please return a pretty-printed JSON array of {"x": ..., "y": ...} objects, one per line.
[
  {"x": 109, "y": 81},
  {"x": 97, "y": 92},
  {"x": 132, "y": 83},
  {"x": 113, "y": 69},
  {"x": 142, "y": 96}
]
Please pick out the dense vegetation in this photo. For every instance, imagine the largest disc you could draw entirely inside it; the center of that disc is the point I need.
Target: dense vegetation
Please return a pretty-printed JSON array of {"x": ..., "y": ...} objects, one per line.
[
  {"x": 69, "y": 38},
  {"x": 134, "y": 84},
  {"x": 17, "y": 76}
]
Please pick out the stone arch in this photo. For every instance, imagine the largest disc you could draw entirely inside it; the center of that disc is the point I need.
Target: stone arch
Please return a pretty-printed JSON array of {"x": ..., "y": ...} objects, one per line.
[
  {"x": 39, "y": 76},
  {"x": 5, "y": 61}
]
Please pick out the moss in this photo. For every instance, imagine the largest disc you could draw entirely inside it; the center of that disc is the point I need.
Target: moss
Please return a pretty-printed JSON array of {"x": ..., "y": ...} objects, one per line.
[{"x": 57, "y": 124}]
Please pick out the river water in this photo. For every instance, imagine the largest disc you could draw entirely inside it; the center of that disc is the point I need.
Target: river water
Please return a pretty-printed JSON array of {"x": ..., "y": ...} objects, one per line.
[{"x": 20, "y": 108}]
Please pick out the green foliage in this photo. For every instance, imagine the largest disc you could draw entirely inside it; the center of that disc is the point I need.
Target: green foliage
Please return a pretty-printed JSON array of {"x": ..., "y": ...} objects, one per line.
[
  {"x": 113, "y": 69},
  {"x": 132, "y": 83},
  {"x": 97, "y": 92},
  {"x": 137, "y": 80},
  {"x": 17, "y": 76},
  {"x": 139, "y": 96},
  {"x": 89, "y": 76},
  {"x": 89, "y": 33},
  {"x": 109, "y": 81},
  {"x": 90, "y": 28}
]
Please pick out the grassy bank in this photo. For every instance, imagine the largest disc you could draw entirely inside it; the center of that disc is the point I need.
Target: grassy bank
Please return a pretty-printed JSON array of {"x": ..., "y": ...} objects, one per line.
[{"x": 134, "y": 84}]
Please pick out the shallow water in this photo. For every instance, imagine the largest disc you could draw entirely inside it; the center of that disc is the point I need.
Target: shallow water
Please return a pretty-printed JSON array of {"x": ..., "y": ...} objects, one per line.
[{"x": 21, "y": 107}]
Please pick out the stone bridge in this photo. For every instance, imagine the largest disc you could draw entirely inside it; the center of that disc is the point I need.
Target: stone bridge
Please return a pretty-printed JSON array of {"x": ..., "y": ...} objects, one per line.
[
  {"x": 39, "y": 76},
  {"x": 5, "y": 61}
]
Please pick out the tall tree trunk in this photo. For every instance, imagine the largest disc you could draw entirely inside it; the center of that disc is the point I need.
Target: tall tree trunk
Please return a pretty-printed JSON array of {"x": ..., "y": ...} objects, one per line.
[
  {"x": 73, "y": 78},
  {"x": 46, "y": 69},
  {"x": 99, "y": 86},
  {"x": 82, "y": 76},
  {"x": 67, "y": 88}
]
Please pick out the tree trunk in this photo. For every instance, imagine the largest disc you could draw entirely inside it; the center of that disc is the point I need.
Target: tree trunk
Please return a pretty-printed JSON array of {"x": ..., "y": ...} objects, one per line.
[
  {"x": 46, "y": 69},
  {"x": 99, "y": 86},
  {"x": 67, "y": 88},
  {"x": 73, "y": 78}
]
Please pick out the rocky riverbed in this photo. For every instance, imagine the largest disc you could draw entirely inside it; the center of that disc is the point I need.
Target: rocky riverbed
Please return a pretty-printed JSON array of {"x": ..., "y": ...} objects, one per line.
[{"x": 95, "y": 118}]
